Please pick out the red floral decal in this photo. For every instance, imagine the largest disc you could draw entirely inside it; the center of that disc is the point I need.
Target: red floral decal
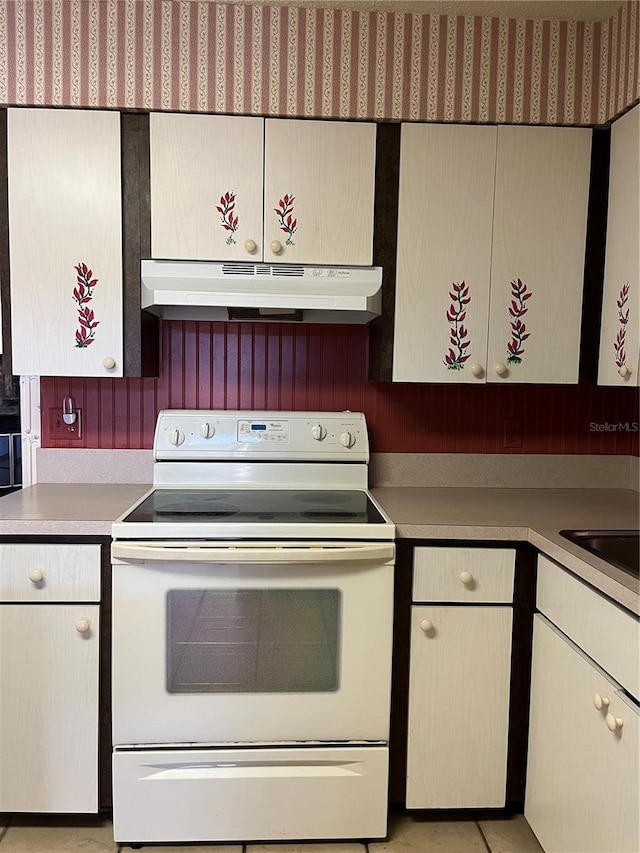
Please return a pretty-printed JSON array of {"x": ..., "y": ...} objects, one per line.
[
  {"x": 284, "y": 211},
  {"x": 82, "y": 294},
  {"x": 458, "y": 336},
  {"x": 228, "y": 221},
  {"x": 517, "y": 310},
  {"x": 623, "y": 319}
]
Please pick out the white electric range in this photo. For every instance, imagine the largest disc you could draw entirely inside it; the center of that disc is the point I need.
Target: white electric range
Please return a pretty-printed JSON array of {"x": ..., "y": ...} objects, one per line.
[{"x": 252, "y": 632}]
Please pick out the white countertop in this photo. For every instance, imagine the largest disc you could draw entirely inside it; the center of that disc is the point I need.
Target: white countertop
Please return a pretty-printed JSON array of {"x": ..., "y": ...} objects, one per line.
[{"x": 529, "y": 515}]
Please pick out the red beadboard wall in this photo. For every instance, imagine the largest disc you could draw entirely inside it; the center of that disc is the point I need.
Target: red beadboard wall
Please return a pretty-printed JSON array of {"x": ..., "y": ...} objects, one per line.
[{"x": 262, "y": 366}]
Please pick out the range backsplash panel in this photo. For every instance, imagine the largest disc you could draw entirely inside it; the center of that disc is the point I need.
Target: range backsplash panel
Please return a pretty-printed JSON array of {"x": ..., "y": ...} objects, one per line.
[{"x": 281, "y": 366}]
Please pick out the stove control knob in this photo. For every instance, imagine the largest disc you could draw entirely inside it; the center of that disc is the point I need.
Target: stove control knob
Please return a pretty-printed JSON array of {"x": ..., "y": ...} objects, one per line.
[
  {"x": 347, "y": 439},
  {"x": 318, "y": 432},
  {"x": 176, "y": 437},
  {"x": 207, "y": 430}
]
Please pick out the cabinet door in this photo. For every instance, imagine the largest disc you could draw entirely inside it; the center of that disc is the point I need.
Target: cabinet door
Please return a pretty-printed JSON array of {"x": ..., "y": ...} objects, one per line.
[
  {"x": 318, "y": 192},
  {"x": 65, "y": 242},
  {"x": 582, "y": 779},
  {"x": 206, "y": 187},
  {"x": 444, "y": 253},
  {"x": 619, "y": 340},
  {"x": 48, "y": 708},
  {"x": 537, "y": 269},
  {"x": 458, "y": 707}
]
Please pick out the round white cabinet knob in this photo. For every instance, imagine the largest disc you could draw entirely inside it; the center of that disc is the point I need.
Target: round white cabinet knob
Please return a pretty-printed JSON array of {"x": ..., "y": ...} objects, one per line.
[
  {"x": 318, "y": 432},
  {"x": 466, "y": 578},
  {"x": 477, "y": 370},
  {"x": 207, "y": 430},
  {"x": 624, "y": 371},
  {"x": 347, "y": 439},
  {"x": 427, "y": 626},
  {"x": 83, "y": 626},
  {"x": 108, "y": 363},
  {"x": 36, "y": 576},
  {"x": 501, "y": 369},
  {"x": 275, "y": 246},
  {"x": 614, "y": 723},
  {"x": 600, "y": 701},
  {"x": 176, "y": 437},
  {"x": 250, "y": 246}
]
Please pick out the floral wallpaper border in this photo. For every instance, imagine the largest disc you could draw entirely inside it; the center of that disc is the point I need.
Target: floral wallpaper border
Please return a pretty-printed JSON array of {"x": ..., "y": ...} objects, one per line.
[{"x": 292, "y": 61}]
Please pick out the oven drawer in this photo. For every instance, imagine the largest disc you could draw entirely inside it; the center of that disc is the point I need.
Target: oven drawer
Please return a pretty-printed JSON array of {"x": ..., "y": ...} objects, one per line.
[
  {"x": 464, "y": 574},
  {"x": 269, "y": 794},
  {"x": 49, "y": 573}
]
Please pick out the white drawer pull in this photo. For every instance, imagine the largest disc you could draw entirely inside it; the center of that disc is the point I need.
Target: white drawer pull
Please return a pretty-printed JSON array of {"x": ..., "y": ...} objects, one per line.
[
  {"x": 600, "y": 701},
  {"x": 36, "y": 576},
  {"x": 250, "y": 246},
  {"x": 466, "y": 578},
  {"x": 427, "y": 626},
  {"x": 614, "y": 723},
  {"x": 83, "y": 626}
]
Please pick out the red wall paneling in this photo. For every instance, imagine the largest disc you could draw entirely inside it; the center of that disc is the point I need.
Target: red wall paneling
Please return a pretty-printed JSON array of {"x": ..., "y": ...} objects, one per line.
[{"x": 314, "y": 367}]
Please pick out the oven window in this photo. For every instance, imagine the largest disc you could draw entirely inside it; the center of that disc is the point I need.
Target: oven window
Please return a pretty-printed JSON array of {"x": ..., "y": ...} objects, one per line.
[{"x": 253, "y": 640}]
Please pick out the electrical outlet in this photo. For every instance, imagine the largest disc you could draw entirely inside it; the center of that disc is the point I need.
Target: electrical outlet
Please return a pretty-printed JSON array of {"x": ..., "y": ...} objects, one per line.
[
  {"x": 513, "y": 432},
  {"x": 59, "y": 429}
]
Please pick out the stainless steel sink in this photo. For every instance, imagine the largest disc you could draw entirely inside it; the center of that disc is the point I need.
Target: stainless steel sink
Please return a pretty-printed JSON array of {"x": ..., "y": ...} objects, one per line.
[{"x": 621, "y": 548}]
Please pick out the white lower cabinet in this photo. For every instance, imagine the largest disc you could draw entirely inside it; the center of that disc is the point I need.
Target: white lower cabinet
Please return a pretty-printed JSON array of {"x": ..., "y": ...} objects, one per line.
[
  {"x": 584, "y": 747},
  {"x": 49, "y": 654},
  {"x": 460, "y": 666}
]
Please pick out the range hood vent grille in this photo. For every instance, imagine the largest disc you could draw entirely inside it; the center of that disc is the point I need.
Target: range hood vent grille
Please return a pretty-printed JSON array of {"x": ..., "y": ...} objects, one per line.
[{"x": 237, "y": 269}]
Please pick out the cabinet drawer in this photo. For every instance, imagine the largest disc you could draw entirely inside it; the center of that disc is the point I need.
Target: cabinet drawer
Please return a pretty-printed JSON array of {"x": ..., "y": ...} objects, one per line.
[
  {"x": 463, "y": 574},
  {"x": 604, "y": 630},
  {"x": 49, "y": 572}
]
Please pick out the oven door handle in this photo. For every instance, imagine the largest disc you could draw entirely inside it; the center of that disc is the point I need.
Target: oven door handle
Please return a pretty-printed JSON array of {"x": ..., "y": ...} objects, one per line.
[{"x": 260, "y": 552}]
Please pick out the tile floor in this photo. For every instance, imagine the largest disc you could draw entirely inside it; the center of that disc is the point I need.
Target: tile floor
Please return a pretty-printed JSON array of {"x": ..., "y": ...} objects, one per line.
[{"x": 407, "y": 834}]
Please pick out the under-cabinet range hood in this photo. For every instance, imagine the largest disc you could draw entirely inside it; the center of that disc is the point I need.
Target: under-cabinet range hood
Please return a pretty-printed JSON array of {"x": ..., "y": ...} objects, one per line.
[{"x": 196, "y": 290}]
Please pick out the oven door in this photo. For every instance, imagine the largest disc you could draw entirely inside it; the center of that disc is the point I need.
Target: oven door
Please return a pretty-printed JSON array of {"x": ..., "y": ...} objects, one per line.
[{"x": 251, "y": 642}]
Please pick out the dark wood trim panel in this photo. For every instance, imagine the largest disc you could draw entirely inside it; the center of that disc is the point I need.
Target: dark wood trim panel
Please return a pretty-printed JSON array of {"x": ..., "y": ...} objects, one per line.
[
  {"x": 524, "y": 605},
  {"x": 5, "y": 272},
  {"x": 141, "y": 342},
  {"x": 400, "y": 672},
  {"x": 596, "y": 240},
  {"x": 4, "y": 246},
  {"x": 385, "y": 232}
]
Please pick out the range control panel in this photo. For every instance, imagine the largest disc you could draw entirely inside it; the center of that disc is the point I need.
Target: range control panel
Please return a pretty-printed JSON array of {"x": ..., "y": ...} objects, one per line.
[{"x": 186, "y": 434}]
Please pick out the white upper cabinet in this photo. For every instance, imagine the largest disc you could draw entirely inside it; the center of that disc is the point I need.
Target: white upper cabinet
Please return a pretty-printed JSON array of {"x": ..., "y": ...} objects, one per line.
[
  {"x": 620, "y": 331},
  {"x": 318, "y": 192},
  {"x": 491, "y": 244},
  {"x": 206, "y": 186},
  {"x": 537, "y": 264},
  {"x": 65, "y": 242},
  {"x": 246, "y": 189},
  {"x": 444, "y": 252}
]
